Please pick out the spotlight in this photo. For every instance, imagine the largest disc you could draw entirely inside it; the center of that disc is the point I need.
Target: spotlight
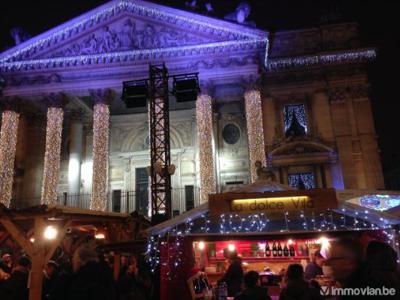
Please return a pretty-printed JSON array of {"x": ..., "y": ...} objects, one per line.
[
  {"x": 134, "y": 93},
  {"x": 99, "y": 236},
  {"x": 186, "y": 87},
  {"x": 231, "y": 247},
  {"x": 202, "y": 245},
  {"x": 50, "y": 233}
]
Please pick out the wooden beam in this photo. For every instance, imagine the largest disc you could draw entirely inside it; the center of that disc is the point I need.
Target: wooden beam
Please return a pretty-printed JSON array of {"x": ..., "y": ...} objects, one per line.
[
  {"x": 36, "y": 276},
  {"x": 17, "y": 234}
]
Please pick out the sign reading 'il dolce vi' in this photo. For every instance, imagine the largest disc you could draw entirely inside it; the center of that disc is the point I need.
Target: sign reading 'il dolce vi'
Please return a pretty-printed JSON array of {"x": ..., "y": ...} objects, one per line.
[{"x": 273, "y": 204}]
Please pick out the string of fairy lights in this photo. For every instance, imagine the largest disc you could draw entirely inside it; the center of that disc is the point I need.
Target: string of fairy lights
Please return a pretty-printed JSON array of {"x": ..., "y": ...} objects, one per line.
[
  {"x": 255, "y": 130},
  {"x": 8, "y": 143},
  {"x": 231, "y": 223},
  {"x": 101, "y": 121},
  {"x": 55, "y": 117},
  {"x": 204, "y": 116}
]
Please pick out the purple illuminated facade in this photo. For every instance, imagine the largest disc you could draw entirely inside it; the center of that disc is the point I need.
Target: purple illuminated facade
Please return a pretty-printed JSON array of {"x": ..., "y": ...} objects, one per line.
[{"x": 317, "y": 74}]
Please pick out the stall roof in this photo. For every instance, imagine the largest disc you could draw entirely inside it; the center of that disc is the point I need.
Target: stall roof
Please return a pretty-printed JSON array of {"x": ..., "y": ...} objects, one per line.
[{"x": 354, "y": 206}]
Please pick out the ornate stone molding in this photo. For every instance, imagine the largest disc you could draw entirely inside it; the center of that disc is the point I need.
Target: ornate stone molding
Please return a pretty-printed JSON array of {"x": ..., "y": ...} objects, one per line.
[
  {"x": 355, "y": 92},
  {"x": 339, "y": 57},
  {"x": 102, "y": 96},
  {"x": 11, "y": 103},
  {"x": 226, "y": 36},
  {"x": 57, "y": 100}
]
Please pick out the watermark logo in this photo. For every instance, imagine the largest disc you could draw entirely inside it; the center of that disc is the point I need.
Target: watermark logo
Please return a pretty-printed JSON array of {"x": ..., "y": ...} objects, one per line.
[{"x": 365, "y": 291}]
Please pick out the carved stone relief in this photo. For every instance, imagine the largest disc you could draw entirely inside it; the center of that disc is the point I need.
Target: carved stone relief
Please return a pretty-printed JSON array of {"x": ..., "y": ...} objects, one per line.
[{"x": 128, "y": 35}]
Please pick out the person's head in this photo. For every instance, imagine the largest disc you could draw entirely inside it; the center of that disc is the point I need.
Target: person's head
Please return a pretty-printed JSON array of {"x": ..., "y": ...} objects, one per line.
[
  {"x": 6, "y": 258},
  {"x": 381, "y": 256},
  {"x": 294, "y": 272},
  {"x": 25, "y": 262},
  {"x": 232, "y": 257},
  {"x": 83, "y": 255},
  {"x": 251, "y": 279},
  {"x": 51, "y": 267},
  {"x": 344, "y": 257},
  {"x": 318, "y": 258}
]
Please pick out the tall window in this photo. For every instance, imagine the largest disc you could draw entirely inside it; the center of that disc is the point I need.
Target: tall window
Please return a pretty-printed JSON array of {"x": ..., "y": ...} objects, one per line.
[
  {"x": 295, "y": 119},
  {"x": 302, "y": 180},
  {"x": 142, "y": 194},
  {"x": 116, "y": 200},
  {"x": 189, "y": 197}
]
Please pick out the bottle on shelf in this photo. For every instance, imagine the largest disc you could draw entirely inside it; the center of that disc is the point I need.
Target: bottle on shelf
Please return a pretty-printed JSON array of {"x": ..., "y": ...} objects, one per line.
[
  {"x": 285, "y": 251},
  {"x": 267, "y": 250},
  {"x": 292, "y": 252},
  {"x": 279, "y": 249},
  {"x": 274, "y": 250}
]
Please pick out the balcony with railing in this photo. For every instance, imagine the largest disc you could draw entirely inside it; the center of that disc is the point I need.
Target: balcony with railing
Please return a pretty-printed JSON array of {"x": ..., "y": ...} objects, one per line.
[{"x": 126, "y": 201}]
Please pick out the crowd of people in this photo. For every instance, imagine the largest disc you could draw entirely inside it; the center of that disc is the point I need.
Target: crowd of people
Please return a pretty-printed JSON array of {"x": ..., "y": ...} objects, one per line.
[
  {"x": 351, "y": 266},
  {"x": 88, "y": 276}
]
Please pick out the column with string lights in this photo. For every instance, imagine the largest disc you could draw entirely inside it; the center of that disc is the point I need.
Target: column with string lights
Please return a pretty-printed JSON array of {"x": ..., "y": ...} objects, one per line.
[
  {"x": 8, "y": 144},
  {"x": 101, "y": 123},
  {"x": 255, "y": 130},
  {"x": 204, "y": 120},
  {"x": 51, "y": 171}
]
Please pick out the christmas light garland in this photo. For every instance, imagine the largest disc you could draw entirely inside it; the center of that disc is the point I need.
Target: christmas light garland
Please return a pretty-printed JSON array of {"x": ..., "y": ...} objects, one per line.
[
  {"x": 257, "y": 223},
  {"x": 101, "y": 121},
  {"x": 255, "y": 130},
  {"x": 51, "y": 172},
  {"x": 8, "y": 143},
  {"x": 204, "y": 117}
]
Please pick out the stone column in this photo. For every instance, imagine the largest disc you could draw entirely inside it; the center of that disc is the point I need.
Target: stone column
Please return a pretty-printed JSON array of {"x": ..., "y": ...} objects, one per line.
[
  {"x": 204, "y": 119},
  {"x": 8, "y": 143},
  {"x": 101, "y": 123},
  {"x": 75, "y": 158},
  {"x": 51, "y": 172},
  {"x": 255, "y": 132}
]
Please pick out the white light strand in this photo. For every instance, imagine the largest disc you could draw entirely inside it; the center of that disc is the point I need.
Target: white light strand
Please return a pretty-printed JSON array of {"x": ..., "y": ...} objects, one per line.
[
  {"x": 255, "y": 131},
  {"x": 101, "y": 122},
  {"x": 51, "y": 172},
  {"x": 8, "y": 143},
  {"x": 204, "y": 118}
]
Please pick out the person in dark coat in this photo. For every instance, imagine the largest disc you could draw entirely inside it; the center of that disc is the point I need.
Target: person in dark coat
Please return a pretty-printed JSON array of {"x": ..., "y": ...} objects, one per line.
[
  {"x": 90, "y": 281},
  {"x": 17, "y": 285},
  {"x": 253, "y": 289},
  {"x": 314, "y": 268},
  {"x": 49, "y": 280},
  {"x": 135, "y": 284},
  {"x": 61, "y": 282},
  {"x": 233, "y": 277},
  {"x": 297, "y": 288}
]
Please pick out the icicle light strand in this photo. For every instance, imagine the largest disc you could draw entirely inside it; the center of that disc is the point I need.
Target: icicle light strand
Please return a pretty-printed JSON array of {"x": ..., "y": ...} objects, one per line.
[
  {"x": 204, "y": 117},
  {"x": 101, "y": 121},
  {"x": 255, "y": 130},
  {"x": 8, "y": 143},
  {"x": 51, "y": 173}
]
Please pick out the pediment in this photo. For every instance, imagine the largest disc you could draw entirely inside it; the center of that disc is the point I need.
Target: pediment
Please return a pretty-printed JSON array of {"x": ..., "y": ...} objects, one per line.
[
  {"x": 129, "y": 30},
  {"x": 300, "y": 147}
]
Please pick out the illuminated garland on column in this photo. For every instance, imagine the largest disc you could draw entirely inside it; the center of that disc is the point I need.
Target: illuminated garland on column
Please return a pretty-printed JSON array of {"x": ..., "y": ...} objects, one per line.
[
  {"x": 255, "y": 130},
  {"x": 51, "y": 173},
  {"x": 101, "y": 123},
  {"x": 204, "y": 118},
  {"x": 8, "y": 143}
]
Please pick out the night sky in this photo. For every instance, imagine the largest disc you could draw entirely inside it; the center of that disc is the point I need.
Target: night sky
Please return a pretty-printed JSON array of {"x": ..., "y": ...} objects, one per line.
[{"x": 379, "y": 25}]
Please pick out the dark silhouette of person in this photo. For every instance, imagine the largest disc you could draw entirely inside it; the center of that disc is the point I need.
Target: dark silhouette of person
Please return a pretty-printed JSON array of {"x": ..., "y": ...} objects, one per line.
[
  {"x": 253, "y": 290},
  {"x": 314, "y": 268},
  {"x": 297, "y": 288},
  {"x": 233, "y": 277}
]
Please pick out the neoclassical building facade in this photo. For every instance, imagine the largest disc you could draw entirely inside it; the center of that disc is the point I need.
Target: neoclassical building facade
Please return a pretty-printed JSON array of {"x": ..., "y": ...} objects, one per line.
[{"x": 297, "y": 101}]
